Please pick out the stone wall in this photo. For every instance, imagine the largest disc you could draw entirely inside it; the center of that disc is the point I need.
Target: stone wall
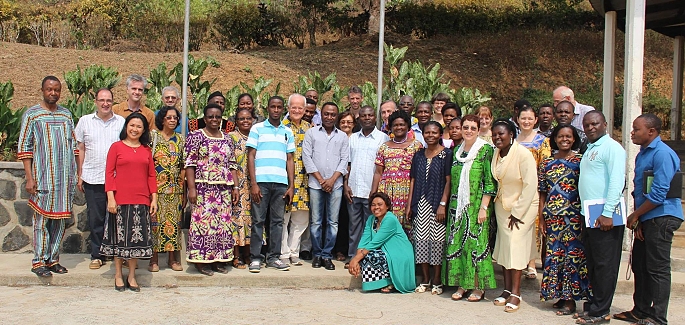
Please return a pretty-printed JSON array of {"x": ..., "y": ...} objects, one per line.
[{"x": 16, "y": 217}]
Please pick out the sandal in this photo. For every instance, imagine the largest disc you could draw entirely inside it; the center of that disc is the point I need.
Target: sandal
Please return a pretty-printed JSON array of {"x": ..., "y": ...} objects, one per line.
[
  {"x": 238, "y": 264},
  {"x": 510, "y": 307},
  {"x": 627, "y": 316},
  {"x": 42, "y": 271},
  {"x": 473, "y": 297},
  {"x": 437, "y": 289},
  {"x": 204, "y": 269},
  {"x": 388, "y": 289},
  {"x": 340, "y": 257},
  {"x": 531, "y": 273},
  {"x": 459, "y": 294},
  {"x": 580, "y": 315},
  {"x": 176, "y": 266},
  {"x": 605, "y": 319},
  {"x": 560, "y": 303},
  {"x": 347, "y": 266},
  {"x": 219, "y": 267},
  {"x": 566, "y": 310},
  {"x": 422, "y": 288},
  {"x": 646, "y": 321},
  {"x": 153, "y": 267},
  {"x": 58, "y": 269},
  {"x": 502, "y": 300}
]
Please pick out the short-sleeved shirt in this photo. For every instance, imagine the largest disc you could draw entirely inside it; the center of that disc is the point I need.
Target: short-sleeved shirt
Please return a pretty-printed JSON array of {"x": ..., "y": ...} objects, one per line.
[
  {"x": 124, "y": 111},
  {"x": 363, "y": 150},
  {"x": 97, "y": 135},
  {"x": 272, "y": 145}
]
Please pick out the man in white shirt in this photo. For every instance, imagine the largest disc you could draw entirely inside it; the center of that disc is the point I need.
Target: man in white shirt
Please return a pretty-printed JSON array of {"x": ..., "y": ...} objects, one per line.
[
  {"x": 357, "y": 186},
  {"x": 579, "y": 110},
  {"x": 95, "y": 133}
]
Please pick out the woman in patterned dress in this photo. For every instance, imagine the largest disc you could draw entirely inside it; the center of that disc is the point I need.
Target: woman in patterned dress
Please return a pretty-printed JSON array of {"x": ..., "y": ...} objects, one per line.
[
  {"x": 242, "y": 218},
  {"x": 565, "y": 275},
  {"x": 393, "y": 164},
  {"x": 131, "y": 185},
  {"x": 468, "y": 261},
  {"x": 385, "y": 257},
  {"x": 167, "y": 152},
  {"x": 428, "y": 194},
  {"x": 538, "y": 145},
  {"x": 210, "y": 171}
]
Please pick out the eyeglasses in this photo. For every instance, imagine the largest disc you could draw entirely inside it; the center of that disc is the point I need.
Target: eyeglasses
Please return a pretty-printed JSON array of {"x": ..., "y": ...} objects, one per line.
[
  {"x": 109, "y": 101},
  {"x": 169, "y": 118},
  {"x": 213, "y": 117},
  {"x": 244, "y": 119},
  {"x": 473, "y": 128},
  {"x": 170, "y": 97}
]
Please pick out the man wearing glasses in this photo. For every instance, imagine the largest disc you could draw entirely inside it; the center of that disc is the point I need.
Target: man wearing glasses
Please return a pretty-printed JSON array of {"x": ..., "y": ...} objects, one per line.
[{"x": 95, "y": 133}]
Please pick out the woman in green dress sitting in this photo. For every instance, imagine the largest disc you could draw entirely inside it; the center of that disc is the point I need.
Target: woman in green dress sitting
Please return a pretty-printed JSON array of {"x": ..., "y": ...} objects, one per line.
[{"x": 385, "y": 257}]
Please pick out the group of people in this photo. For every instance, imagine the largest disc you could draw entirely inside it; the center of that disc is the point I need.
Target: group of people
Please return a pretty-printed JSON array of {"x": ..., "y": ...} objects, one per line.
[{"x": 431, "y": 188}]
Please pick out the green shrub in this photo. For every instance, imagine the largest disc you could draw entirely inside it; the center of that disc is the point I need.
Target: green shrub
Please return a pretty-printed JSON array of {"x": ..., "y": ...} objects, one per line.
[
  {"x": 10, "y": 121},
  {"x": 83, "y": 84}
]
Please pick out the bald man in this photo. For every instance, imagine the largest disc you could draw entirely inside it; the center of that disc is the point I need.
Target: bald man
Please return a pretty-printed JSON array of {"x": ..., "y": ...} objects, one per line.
[{"x": 563, "y": 93}]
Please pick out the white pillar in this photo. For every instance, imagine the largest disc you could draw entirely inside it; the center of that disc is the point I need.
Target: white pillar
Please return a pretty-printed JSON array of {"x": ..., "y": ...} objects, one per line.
[
  {"x": 609, "y": 67},
  {"x": 632, "y": 93},
  {"x": 677, "y": 97},
  {"x": 379, "y": 88}
]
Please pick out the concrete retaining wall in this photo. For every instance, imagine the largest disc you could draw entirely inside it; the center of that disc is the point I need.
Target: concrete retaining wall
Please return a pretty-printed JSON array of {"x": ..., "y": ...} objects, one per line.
[{"x": 16, "y": 217}]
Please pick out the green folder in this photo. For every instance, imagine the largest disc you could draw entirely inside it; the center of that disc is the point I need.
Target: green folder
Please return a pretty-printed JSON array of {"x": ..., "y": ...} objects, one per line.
[{"x": 675, "y": 189}]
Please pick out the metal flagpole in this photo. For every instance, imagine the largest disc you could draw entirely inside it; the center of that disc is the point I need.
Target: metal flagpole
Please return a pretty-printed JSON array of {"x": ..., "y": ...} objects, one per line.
[
  {"x": 379, "y": 89},
  {"x": 186, "y": 29}
]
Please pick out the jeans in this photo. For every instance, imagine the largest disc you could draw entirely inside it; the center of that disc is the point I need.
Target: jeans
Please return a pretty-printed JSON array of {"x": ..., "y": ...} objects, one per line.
[
  {"x": 326, "y": 205},
  {"x": 96, "y": 201},
  {"x": 359, "y": 212},
  {"x": 603, "y": 251},
  {"x": 651, "y": 262},
  {"x": 272, "y": 199}
]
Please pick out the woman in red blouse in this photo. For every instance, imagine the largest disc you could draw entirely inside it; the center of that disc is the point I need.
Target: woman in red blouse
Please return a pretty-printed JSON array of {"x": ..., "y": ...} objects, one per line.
[{"x": 131, "y": 185}]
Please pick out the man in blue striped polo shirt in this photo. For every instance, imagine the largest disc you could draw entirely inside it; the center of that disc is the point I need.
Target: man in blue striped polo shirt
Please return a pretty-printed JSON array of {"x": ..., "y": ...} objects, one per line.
[{"x": 270, "y": 148}]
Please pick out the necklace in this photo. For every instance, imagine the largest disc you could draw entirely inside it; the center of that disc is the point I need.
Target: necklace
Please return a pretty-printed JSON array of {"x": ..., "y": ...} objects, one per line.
[
  {"x": 135, "y": 149},
  {"x": 243, "y": 135},
  {"x": 400, "y": 142}
]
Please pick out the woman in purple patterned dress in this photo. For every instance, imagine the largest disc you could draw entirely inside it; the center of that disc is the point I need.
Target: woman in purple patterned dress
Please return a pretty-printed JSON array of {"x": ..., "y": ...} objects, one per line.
[{"x": 210, "y": 171}]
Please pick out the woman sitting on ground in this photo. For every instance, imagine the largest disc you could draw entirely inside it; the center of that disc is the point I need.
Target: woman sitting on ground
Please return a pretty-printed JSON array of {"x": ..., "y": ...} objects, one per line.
[{"x": 385, "y": 257}]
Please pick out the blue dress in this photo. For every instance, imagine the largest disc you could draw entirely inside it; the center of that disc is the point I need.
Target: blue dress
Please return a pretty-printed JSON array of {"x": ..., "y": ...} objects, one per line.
[
  {"x": 391, "y": 256},
  {"x": 565, "y": 273}
]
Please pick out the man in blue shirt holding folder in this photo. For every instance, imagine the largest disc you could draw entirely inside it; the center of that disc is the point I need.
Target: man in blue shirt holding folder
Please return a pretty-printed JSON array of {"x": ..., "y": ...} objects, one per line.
[
  {"x": 602, "y": 177},
  {"x": 658, "y": 214}
]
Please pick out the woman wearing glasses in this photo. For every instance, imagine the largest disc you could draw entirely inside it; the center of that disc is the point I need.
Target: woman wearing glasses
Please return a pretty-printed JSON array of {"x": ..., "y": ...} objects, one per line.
[
  {"x": 167, "y": 152},
  {"x": 210, "y": 171}
]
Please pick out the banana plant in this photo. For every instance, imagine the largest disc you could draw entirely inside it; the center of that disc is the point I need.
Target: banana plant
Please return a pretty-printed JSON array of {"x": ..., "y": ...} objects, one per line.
[
  {"x": 314, "y": 81},
  {"x": 231, "y": 96},
  {"x": 87, "y": 81},
  {"x": 158, "y": 79},
  {"x": 79, "y": 108},
  {"x": 10, "y": 120},
  {"x": 470, "y": 99},
  {"x": 199, "y": 89}
]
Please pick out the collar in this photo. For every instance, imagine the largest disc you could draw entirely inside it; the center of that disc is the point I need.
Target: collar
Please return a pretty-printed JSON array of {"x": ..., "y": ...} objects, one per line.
[
  {"x": 266, "y": 123},
  {"x": 95, "y": 116},
  {"x": 371, "y": 135},
  {"x": 653, "y": 144},
  {"x": 335, "y": 129},
  {"x": 416, "y": 127},
  {"x": 599, "y": 141},
  {"x": 576, "y": 109}
]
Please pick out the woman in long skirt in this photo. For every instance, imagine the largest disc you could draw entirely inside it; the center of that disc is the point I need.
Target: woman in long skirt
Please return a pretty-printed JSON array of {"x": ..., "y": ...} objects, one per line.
[
  {"x": 131, "y": 185},
  {"x": 210, "y": 171}
]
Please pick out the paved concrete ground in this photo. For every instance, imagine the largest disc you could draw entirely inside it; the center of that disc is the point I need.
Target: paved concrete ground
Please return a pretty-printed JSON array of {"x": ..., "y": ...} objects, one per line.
[{"x": 232, "y": 305}]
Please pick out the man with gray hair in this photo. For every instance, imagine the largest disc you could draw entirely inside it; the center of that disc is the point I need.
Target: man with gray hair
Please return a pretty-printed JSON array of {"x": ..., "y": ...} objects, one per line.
[
  {"x": 563, "y": 93},
  {"x": 135, "y": 86},
  {"x": 170, "y": 96}
]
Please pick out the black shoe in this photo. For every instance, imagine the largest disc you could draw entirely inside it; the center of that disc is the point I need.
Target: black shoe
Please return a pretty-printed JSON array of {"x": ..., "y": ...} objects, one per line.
[
  {"x": 58, "y": 269},
  {"x": 306, "y": 255},
  {"x": 316, "y": 262},
  {"x": 328, "y": 264},
  {"x": 44, "y": 272},
  {"x": 119, "y": 288}
]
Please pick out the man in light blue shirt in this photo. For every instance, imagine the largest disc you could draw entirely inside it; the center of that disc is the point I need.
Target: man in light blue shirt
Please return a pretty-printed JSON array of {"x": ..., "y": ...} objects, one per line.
[
  {"x": 362, "y": 165},
  {"x": 602, "y": 176},
  {"x": 659, "y": 214},
  {"x": 325, "y": 154},
  {"x": 270, "y": 147}
]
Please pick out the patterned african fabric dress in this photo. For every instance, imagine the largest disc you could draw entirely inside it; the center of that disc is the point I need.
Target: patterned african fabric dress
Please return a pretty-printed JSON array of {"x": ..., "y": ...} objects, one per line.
[
  {"x": 48, "y": 138},
  {"x": 210, "y": 237},
  {"x": 242, "y": 218},
  {"x": 469, "y": 246},
  {"x": 300, "y": 201},
  {"x": 395, "y": 180},
  {"x": 168, "y": 157},
  {"x": 540, "y": 149},
  {"x": 428, "y": 235},
  {"x": 565, "y": 273}
]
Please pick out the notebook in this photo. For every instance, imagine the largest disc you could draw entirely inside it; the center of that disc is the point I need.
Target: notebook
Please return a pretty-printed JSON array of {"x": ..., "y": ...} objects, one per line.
[
  {"x": 675, "y": 190},
  {"x": 592, "y": 209}
]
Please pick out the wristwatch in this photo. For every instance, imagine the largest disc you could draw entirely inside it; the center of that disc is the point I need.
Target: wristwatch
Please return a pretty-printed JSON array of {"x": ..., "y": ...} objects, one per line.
[
  {"x": 484, "y": 207},
  {"x": 443, "y": 203}
]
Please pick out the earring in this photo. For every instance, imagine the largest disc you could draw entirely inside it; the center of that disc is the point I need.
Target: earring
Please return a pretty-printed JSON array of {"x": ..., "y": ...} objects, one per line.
[{"x": 511, "y": 140}]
